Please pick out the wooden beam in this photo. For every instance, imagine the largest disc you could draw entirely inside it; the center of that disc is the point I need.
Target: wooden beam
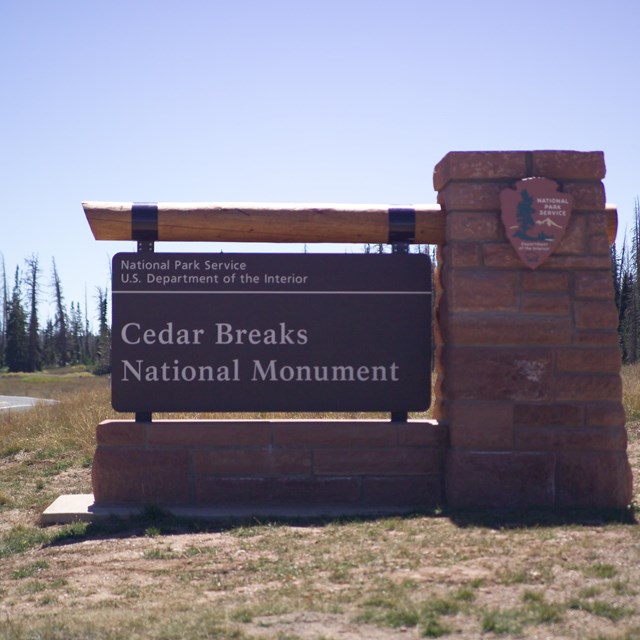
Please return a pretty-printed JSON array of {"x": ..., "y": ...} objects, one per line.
[{"x": 257, "y": 222}]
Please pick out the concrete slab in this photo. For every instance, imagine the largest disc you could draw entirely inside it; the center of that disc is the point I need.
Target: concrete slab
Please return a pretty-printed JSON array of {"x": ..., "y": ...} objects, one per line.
[{"x": 67, "y": 509}]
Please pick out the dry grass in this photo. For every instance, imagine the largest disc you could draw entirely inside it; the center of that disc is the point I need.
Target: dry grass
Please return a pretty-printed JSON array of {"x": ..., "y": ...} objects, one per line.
[{"x": 468, "y": 576}]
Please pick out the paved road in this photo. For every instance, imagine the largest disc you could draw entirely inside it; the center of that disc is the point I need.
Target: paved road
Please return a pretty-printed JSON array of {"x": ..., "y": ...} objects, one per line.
[{"x": 20, "y": 403}]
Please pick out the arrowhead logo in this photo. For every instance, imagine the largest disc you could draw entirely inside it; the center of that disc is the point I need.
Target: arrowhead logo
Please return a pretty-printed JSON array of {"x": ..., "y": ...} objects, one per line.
[{"x": 535, "y": 216}]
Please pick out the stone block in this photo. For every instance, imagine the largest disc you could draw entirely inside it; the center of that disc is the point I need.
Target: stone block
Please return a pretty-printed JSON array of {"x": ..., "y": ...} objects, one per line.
[
  {"x": 481, "y": 290},
  {"x": 403, "y": 491},
  {"x": 234, "y": 491},
  {"x": 595, "y": 480},
  {"x": 462, "y": 254},
  {"x": 588, "y": 387},
  {"x": 140, "y": 476},
  {"x": 336, "y": 491},
  {"x": 573, "y": 241},
  {"x": 550, "y": 304},
  {"x": 481, "y": 426},
  {"x": 587, "y": 196},
  {"x": 516, "y": 480},
  {"x": 502, "y": 330},
  {"x": 331, "y": 433},
  {"x": 398, "y": 461},
  {"x": 121, "y": 433},
  {"x": 569, "y": 165},
  {"x": 500, "y": 255},
  {"x": 423, "y": 433},
  {"x": 571, "y": 439},
  {"x": 472, "y": 196},
  {"x": 479, "y": 165},
  {"x": 474, "y": 226},
  {"x": 548, "y": 415},
  {"x": 588, "y": 360},
  {"x": 595, "y": 314},
  {"x": 544, "y": 281},
  {"x": 593, "y": 284},
  {"x": 605, "y": 414},
  {"x": 210, "y": 433},
  {"x": 251, "y": 462},
  {"x": 516, "y": 374}
]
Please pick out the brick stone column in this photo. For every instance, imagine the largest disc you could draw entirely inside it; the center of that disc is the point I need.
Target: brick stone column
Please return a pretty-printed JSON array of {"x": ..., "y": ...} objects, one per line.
[{"x": 528, "y": 362}]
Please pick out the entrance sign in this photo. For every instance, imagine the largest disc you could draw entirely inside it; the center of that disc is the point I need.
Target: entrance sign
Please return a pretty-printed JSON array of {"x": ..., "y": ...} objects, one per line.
[
  {"x": 535, "y": 216},
  {"x": 271, "y": 332}
]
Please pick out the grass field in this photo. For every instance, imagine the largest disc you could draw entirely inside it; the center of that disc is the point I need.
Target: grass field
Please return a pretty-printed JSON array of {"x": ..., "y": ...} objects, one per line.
[{"x": 533, "y": 575}]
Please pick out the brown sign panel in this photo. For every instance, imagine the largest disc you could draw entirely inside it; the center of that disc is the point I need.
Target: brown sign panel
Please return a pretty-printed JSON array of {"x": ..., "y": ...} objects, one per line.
[
  {"x": 535, "y": 216},
  {"x": 271, "y": 332}
]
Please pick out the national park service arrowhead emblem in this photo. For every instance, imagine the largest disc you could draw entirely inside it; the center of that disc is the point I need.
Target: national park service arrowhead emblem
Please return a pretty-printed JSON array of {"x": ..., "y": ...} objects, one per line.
[{"x": 535, "y": 216}]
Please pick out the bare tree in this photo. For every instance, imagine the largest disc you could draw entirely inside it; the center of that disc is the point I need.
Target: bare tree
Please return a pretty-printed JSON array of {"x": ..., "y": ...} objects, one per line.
[
  {"x": 34, "y": 360},
  {"x": 60, "y": 319}
]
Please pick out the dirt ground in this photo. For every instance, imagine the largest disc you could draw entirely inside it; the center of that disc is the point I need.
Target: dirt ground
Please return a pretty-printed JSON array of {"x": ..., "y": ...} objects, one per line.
[{"x": 421, "y": 576}]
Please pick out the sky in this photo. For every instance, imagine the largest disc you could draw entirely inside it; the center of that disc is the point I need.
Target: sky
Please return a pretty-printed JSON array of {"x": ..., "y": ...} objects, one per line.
[{"x": 350, "y": 101}]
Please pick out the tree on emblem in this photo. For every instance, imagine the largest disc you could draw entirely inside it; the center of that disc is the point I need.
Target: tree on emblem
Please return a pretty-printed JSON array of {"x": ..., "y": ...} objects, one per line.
[{"x": 524, "y": 216}]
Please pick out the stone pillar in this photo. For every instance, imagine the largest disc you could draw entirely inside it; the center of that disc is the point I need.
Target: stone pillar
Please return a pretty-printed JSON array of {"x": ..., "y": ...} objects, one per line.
[{"x": 528, "y": 360}]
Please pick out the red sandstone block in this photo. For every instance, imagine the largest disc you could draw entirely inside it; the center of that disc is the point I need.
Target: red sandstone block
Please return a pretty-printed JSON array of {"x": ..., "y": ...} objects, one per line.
[
  {"x": 499, "y": 374},
  {"x": 598, "y": 245},
  {"x": 475, "y": 290},
  {"x": 573, "y": 263},
  {"x": 569, "y": 165},
  {"x": 479, "y": 165},
  {"x": 481, "y": 426},
  {"x": 588, "y": 360},
  {"x": 573, "y": 241},
  {"x": 597, "y": 337},
  {"x": 403, "y": 491},
  {"x": 588, "y": 387},
  {"x": 587, "y": 196},
  {"x": 140, "y": 476},
  {"x": 251, "y": 462},
  {"x": 544, "y": 281},
  {"x": 472, "y": 196},
  {"x": 501, "y": 330},
  {"x": 120, "y": 432},
  {"x": 397, "y": 461},
  {"x": 471, "y": 226},
  {"x": 423, "y": 433},
  {"x": 214, "y": 433},
  {"x": 331, "y": 433},
  {"x": 500, "y": 255},
  {"x": 211, "y": 491},
  {"x": 593, "y": 284},
  {"x": 462, "y": 254},
  {"x": 551, "y": 304},
  {"x": 480, "y": 479},
  {"x": 605, "y": 414},
  {"x": 595, "y": 314},
  {"x": 314, "y": 491},
  {"x": 548, "y": 415},
  {"x": 601, "y": 480},
  {"x": 571, "y": 439},
  {"x": 597, "y": 222}
]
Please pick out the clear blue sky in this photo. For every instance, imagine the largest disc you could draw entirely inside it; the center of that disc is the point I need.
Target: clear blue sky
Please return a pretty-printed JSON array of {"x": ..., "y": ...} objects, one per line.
[{"x": 290, "y": 100}]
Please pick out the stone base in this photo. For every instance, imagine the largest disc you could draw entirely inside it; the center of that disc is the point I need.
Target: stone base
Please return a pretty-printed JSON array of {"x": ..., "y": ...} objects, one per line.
[{"x": 350, "y": 466}]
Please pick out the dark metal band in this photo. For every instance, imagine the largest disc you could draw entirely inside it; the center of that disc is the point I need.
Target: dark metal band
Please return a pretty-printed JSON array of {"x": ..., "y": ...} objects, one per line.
[
  {"x": 144, "y": 221},
  {"x": 402, "y": 225}
]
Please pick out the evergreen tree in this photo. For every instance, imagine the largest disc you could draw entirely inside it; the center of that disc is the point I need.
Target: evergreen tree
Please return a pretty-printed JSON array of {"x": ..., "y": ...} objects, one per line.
[
  {"x": 17, "y": 348},
  {"x": 3, "y": 314},
  {"x": 49, "y": 353},
  {"x": 103, "y": 346}
]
